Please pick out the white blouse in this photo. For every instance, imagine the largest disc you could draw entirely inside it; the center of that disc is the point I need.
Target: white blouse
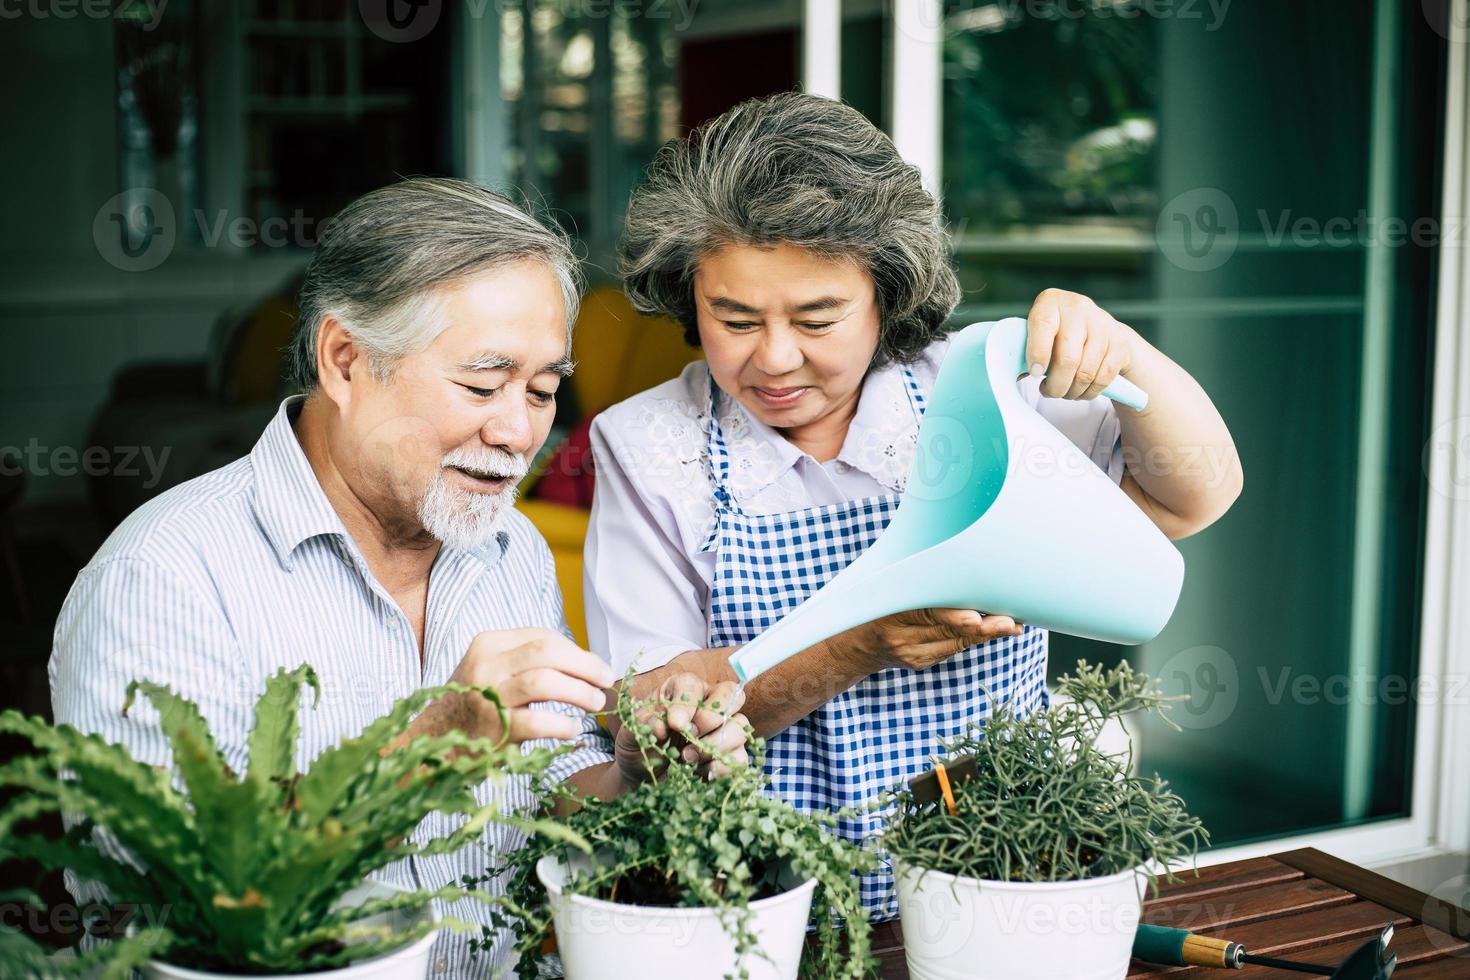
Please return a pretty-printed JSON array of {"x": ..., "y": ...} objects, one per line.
[{"x": 647, "y": 585}]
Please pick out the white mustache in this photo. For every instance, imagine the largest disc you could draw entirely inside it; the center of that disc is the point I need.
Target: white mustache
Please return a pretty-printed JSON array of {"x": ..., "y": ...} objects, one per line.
[{"x": 489, "y": 463}]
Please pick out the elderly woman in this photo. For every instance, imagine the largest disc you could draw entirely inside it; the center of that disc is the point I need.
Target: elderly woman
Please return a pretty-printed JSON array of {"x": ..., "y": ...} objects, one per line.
[{"x": 804, "y": 256}]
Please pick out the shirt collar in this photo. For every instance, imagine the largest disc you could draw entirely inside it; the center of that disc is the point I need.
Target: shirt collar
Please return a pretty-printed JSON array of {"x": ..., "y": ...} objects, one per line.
[
  {"x": 879, "y": 442},
  {"x": 291, "y": 505}
]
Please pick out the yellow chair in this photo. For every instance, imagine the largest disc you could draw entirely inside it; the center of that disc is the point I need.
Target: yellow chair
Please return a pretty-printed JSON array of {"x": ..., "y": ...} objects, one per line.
[
  {"x": 618, "y": 354},
  {"x": 564, "y": 528}
]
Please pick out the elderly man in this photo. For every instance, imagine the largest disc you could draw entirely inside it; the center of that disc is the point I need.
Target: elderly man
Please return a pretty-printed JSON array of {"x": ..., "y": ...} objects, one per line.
[{"x": 370, "y": 531}]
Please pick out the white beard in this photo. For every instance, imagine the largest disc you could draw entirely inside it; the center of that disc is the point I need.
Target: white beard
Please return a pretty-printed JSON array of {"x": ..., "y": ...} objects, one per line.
[{"x": 461, "y": 518}]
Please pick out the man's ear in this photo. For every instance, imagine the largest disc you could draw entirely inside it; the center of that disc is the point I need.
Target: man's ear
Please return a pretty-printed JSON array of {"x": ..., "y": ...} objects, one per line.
[{"x": 337, "y": 357}]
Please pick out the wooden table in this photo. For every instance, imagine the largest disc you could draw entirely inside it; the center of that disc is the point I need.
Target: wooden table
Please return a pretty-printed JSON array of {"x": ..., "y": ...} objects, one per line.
[{"x": 1302, "y": 904}]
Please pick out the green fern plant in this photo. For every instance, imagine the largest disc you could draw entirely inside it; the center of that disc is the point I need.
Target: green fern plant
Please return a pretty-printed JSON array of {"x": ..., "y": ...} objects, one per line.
[{"x": 251, "y": 868}]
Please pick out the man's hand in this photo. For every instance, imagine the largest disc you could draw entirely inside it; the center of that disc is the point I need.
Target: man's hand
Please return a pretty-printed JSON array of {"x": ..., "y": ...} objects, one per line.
[
  {"x": 687, "y": 707},
  {"x": 523, "y": 666}
]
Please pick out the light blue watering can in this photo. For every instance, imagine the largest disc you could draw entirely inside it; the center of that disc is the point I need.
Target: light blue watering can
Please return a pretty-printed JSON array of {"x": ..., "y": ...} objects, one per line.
[{"x": 1002, "y": 514}]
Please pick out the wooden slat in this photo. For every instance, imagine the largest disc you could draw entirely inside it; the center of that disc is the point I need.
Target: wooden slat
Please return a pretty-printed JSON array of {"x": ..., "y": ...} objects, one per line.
[
  {"x": 1240, "y": 907},
  {"x": 1415, "y": 944},
  {"x": 1449, "y": 968},
  {"x": 1223, "y": 877},
  {"x": 1385, "y": 891}
]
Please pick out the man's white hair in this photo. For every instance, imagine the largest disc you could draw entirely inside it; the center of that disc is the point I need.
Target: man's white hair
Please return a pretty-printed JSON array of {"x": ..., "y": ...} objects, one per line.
[{"x": 377, "y": 263}]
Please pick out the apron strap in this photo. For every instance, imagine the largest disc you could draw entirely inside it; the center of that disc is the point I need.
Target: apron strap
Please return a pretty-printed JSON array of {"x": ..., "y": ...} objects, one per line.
[
  {"x": 916, "y": 394},
  {"x": 718, "y": 455}
]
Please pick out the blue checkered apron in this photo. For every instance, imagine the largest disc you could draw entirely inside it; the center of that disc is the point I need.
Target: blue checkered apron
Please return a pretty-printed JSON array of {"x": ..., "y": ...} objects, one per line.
[{"x": 886, "y": 728}]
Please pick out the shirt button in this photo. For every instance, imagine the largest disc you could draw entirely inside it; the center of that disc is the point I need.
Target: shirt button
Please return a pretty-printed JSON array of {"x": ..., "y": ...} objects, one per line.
[
  {"x": 393, "y": 624},
  {"x": 441, "y": 965},
  {"x": 842, "y": 467}
]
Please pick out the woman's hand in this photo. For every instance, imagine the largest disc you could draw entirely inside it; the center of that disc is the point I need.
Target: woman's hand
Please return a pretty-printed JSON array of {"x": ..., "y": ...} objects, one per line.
[
  {"x": 683, "y": 708},
  {"x": 1078, "y": 346},
  {"x": 917, "y": 639}
]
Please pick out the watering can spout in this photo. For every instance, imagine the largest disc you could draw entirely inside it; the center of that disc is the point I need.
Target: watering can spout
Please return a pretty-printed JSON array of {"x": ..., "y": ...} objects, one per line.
[{"x": 980, "y": 528}]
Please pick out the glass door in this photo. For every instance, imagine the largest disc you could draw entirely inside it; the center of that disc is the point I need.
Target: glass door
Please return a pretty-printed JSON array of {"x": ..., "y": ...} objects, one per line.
[{"x": 1254, "y": 187}]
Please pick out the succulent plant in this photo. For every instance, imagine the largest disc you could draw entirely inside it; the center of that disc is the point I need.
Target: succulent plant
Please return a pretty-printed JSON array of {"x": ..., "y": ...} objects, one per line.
[{"x": 1045, "y": 801}]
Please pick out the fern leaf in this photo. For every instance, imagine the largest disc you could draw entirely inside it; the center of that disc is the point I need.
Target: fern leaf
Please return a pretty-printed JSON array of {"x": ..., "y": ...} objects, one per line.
[
  {"x": 329, "y": 776},
  {"x": 272, "y": 745}
]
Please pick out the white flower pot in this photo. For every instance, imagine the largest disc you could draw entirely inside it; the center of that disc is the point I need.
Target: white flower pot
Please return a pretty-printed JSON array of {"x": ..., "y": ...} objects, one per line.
[
  {"x": 409, "y": 963},
  {"x": 975, "y": 929},
  {"x": 609, "y": 941}
]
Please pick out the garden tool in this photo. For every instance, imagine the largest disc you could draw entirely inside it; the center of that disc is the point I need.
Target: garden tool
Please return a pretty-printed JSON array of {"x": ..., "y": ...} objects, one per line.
[
  {"x": 1001, "y": 513},
  {"x": 1179, "y": 947}
]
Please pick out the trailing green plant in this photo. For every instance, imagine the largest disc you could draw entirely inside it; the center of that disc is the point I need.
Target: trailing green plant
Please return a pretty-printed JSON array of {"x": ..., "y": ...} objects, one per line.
[
  {"x": 1047, "y": 803},
  {"x": 683, "y": 840},
  {"x": 251, "y": 869}
]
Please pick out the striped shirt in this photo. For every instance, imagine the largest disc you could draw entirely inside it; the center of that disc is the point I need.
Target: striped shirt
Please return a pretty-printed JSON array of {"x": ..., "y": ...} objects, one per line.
[{"x": 221, "y": 581}]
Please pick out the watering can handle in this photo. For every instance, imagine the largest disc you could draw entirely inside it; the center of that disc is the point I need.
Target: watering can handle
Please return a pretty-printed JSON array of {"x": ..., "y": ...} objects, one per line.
[
  {"x": 1125, "y": 392},
  {"x": 1122, "y": 391}
]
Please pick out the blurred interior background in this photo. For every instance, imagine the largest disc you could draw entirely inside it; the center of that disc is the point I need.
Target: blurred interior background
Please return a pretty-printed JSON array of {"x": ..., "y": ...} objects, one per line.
[{"x": 168, "y": 163}]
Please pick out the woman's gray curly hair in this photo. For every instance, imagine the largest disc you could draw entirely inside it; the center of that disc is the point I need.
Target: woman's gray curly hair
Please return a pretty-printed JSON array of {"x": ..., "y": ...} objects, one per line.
[{"x": 800, "y": 170}]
